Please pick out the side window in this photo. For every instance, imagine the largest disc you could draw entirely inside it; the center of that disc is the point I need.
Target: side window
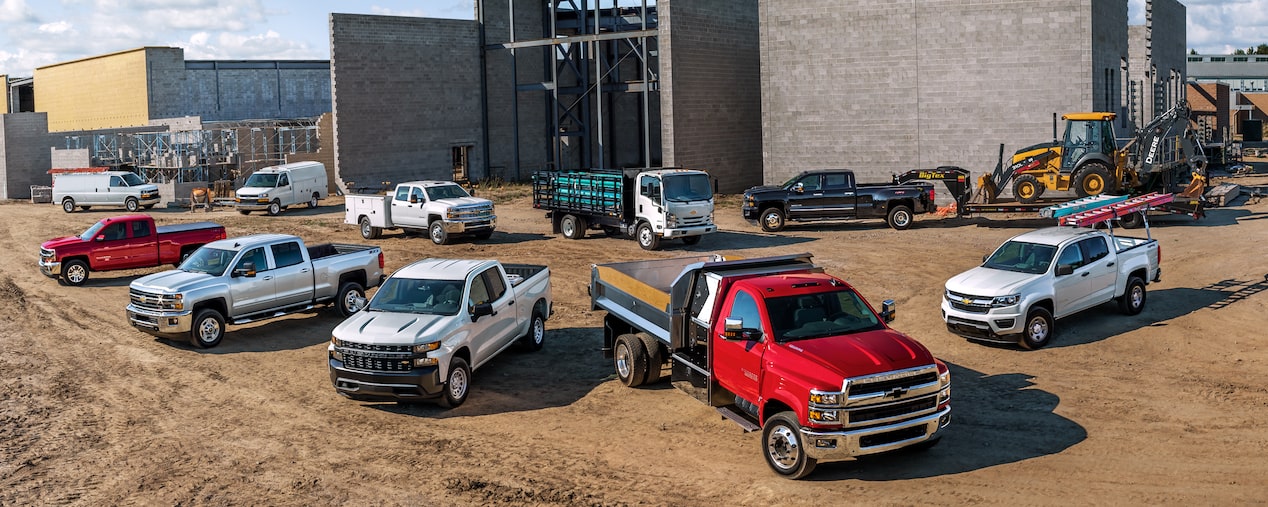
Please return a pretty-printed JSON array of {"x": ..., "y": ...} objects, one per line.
[
  {"x": 493, "y": 281},
  {"x": 140, "y": 229},
  {"x": 116, "y": 181},
  {"x": 835, "y": 181},
  {"x": 417, "y": 194},
  {"x": 287, "y": 254},
  {"x": 1094, "y": 249},
  {"x": 402, "y": 193},
  {"x": 1072, "y": 255},
  {"x": 651, "y": 189},
  {"x": 479, "y": 291},
  {"x": 744, "y": 307},
  {"x": 256, "y": 256},
  {"x": 283, "y": 181},
  {"x": 115, "y": 231},
  {"x": 811, "y": 183}
]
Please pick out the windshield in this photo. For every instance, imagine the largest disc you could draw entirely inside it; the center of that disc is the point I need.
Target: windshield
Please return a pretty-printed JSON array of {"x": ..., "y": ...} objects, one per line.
[
  {"x": 820, "y": 315},
  {"x": 446, "y": 192},
  {"x": 91, "y": 233},
  {"x": 1022, "y": 257},
  {"x": 262, "y": 180},
  {"x": 412, "y": 295},
  {"x": 133, "y": 180},
  {"x": 212, "y": 261},
  {"x": 687, "y": 187}
]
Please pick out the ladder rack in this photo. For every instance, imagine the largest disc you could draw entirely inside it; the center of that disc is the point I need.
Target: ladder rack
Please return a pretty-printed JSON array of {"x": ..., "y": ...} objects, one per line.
[
  {"x": 1080, "y": 205},
  {"x": 1118, "y": 209}
]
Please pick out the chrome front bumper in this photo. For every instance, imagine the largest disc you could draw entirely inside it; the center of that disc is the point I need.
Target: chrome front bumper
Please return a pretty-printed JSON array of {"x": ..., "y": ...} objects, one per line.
[
  {"x": 50, "y": 268},
  {"x": 837, "y": 445},
  {"x": 1001, "y": 325},
  {"x": 160, "y": 323},
  {"x": 470, "y": 225},
  {"x": 682, "y": 232}
]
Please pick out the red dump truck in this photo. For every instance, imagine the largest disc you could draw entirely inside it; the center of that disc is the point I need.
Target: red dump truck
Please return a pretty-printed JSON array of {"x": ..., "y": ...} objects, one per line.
[
  {"x": 123, "y": 242},
  {"x": 778, "y": 345}
]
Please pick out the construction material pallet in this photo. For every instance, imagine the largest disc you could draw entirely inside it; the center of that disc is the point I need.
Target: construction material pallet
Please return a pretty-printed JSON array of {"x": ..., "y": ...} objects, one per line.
[{"x": 1115, "y": 210}]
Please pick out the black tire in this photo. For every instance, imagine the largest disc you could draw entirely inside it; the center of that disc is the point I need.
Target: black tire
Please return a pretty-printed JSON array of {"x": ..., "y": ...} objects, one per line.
[
  {"x": 1133, "y": 299},
  {"x": 457, "y": 383},
  {"x": 436, "y": 230},
  {"x": 369, "y": 231},
  {"x": 630, "y": 359},
  {"x": 348, "y": 291},
  {"x": 533, "y": 340},
  {"x": 900, "y": 218},
  {"x": 75, "y": 272},
  {"x": 655, "y": 358},
  {"x": 1132, "y": 221},
  {"x": 68, "y": 205},
  {"x": 772, "y": 219},
  {"x": 783, "y": 447},
  {"x": 208, "y": 329},
  {"x": 1026, "y": 189},
  {"x": 647, "y": 238},
  {"x": 572, "y": 226},
  {"x": 1093, "y": 179},
  {"x": 312, "y": 202},
  {"x": 275, "y": 207},
  {"x": 131, "y": 205},
  {"x": 244, "y": 211},
  {"x": 1038, "y": 330},
  {"x": 485, "y": 234},
  {"x": 691, "y": 240}
]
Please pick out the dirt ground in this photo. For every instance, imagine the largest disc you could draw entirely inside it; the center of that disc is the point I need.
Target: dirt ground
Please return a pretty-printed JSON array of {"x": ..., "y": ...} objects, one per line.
[{"x": 1166, "y": 407}]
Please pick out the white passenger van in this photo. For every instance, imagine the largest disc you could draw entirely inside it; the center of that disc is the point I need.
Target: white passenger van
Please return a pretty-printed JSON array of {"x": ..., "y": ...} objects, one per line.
[
  {"x": 106, "y": 188},
  {"x": 273, "y": 189}
]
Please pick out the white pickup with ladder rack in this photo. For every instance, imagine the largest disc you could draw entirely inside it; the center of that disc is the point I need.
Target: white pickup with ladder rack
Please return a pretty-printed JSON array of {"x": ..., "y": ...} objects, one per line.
[{"x": 1116, "y": 209}]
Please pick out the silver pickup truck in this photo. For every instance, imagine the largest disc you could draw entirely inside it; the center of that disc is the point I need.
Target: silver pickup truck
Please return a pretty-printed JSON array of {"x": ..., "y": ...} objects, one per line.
[
  {"x": 434, "y": 322},
  {"x": 249, "y": 278}
]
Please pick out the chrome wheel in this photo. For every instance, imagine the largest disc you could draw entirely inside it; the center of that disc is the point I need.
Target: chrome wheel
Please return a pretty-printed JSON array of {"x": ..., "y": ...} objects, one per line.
[
  {"x": 622, "y": 360},
  {"x": 208, "y": 330},
  {"x": 76, "y": 273},
  {"x": 539, "y": 331},
  {"x": 1037, "y": 329},
  {"x": 1137, "y": 296},
  {"x": 783, "y": 448}
]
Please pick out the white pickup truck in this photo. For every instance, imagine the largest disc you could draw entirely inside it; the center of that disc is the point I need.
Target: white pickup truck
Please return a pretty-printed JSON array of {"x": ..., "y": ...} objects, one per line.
[
  {"x": 1048, "y": 274},
  {"x": 442, "y": 208},
  {"x": 433, "y": 323},
  {"x": 249, "y": 278}
]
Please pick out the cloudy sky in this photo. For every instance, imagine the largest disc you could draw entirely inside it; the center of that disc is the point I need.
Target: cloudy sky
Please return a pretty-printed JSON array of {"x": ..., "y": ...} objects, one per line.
[{"x": 42, "y": 32}]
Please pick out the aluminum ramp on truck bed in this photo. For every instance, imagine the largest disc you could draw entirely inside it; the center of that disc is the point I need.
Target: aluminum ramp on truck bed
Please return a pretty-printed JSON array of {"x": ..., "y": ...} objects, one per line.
[
  {"x": 1080, "y": 205},
  {"x": 1115, "y": 210}
]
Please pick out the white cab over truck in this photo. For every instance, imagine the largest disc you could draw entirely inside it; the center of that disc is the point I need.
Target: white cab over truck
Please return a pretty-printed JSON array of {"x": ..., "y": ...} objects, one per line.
[
  {"x": 433, "y": 323},
  {"x": 442, "y": 208},
  {"x": 1040, "y": 276},
  {"x": 276, "y": 188},
  {"x": 250, "y": 278}
]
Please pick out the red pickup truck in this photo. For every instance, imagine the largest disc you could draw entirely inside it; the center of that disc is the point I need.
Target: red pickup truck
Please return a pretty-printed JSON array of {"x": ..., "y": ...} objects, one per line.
[{"x": 124, "y": 242}]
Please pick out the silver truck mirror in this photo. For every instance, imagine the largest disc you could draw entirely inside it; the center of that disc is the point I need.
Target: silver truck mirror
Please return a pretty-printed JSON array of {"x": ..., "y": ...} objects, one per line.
[
  {"x": 888, "y": 312},
  {"x": 799, "y": 188},
  {"x": 247, "y": 270}
]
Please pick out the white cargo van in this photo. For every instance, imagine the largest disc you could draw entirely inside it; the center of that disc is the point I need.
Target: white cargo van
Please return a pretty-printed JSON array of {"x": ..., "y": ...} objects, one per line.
[
  {"x": 273, "y": 189},
  {"x": 106, "y": 188}
]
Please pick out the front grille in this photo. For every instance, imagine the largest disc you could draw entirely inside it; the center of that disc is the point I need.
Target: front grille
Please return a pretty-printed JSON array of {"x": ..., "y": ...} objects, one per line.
[
  {"x": 693, "y": 221},
  {"x": 890, "y": 437},
  {"x": 974, "y": 304},
  {"x": 863, "y": 415},
  {"x": 401, "y": 349},
  {"x": 355, "y": 360},
  {"x": 473, "y": 212},
  {"x": 148, "y": 300},
  {"x": 882, "y": 384}
]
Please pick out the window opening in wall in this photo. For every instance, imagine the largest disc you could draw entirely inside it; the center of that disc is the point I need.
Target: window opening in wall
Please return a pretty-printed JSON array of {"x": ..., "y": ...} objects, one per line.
[
  {"x": 1239, "y": 59},
  {"x": 461, "y": 162},
  {"x": 1217, "y": 58},
  {"x": 1195, "y": 58}
]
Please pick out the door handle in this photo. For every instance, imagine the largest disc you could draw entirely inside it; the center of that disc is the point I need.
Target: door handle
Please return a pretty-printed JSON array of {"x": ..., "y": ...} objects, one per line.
[
  {"x": 1111, "y": 264},
  {"x": 1084, "y": 274},
  {"x": 511, "y": 303},
  {"x": 305, "y": 270}
]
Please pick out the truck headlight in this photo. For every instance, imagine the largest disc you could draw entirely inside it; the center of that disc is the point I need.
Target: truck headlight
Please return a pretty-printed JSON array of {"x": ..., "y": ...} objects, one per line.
[
  {"x": 671, "y": 220},
  {"x": 264, "y": 195},
  {"x": 1009, "y": 300},
  {"x": 177, "y": 303},
  {"x": 424, "y": 349},
  {"x": 451, "y": 213},
  {"x": 825, "y": 399},
  {"x": 335, "y": 353},
  {"x": 944, "y": 380},
  {"x": 825, "y": 416}
]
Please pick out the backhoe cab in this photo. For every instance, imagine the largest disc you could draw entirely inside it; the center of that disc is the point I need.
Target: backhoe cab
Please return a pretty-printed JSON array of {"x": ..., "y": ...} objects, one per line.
[{"x": 1085, "y": 159}]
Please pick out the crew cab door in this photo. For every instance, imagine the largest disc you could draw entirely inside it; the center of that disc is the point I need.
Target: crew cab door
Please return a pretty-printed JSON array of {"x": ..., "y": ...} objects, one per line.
[
  {"x": 143, "y": 248},
  {"x": 1070, "y": 291},
  {"x": 250, "y": 294},
  {"x": 737, "y": 364},
  {"x": 1102, "y": 270},
  {"x": 292, "y": 273},
  {"x": 806, "y": 197},
  {"x": 112, "y": 248},
  {"x": 490, "y": 332},
  {"x": 838, "y": 195},
  {"x": 407, "y": 207}
]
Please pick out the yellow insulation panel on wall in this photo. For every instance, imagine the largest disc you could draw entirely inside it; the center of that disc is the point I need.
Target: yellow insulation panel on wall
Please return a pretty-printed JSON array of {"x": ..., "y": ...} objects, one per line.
[
  {"x": 4, "y": 78},
  {"x": 107, "y": 91}
]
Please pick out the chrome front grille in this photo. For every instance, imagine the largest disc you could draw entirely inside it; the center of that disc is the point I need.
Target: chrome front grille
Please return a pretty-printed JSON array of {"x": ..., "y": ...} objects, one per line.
[
  {"x": 474, "y": 212},
  {"x": 148, "y": 300},
  {"x": 969, "y": 303},
  {"x": 891, "y": 396}
]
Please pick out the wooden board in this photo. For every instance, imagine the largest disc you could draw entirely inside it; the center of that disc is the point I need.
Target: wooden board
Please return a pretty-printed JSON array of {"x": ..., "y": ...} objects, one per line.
[{"x": 1223, "y": 194}]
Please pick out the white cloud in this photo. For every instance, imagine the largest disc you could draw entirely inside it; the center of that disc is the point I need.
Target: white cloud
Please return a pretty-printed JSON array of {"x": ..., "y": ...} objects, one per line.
[
  {"x": 230, "y": 46},
  {"x": 56, "y": 28},
  {"x": 384, "y": 11},
  {"x": 16, "y": 11}
]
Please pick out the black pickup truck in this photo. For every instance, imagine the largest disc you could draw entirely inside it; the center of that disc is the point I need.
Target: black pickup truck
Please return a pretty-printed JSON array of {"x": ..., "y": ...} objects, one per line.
[{"x": 833, "y": 195}]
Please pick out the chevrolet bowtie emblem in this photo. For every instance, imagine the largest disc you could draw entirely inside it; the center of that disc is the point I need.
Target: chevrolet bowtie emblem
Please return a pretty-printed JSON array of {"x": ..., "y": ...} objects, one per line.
[{"x": 966, "y": 301}]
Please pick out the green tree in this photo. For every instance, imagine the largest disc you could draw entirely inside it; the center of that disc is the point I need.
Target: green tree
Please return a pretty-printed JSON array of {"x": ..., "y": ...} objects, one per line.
[
  {"x": 1240, "y": 51},
  {"x": 1193, "y": 51},
  {"x": 1261, "y": 49}
]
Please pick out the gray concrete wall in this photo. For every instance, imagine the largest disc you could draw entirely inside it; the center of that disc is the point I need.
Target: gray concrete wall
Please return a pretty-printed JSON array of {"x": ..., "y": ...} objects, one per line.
[
  {"x": 165, "y": 68},
  {"x": 1109, "y": 53},
  {"x": 405, "y": 91},
  {"x": 530, "y": 67},
  {"x": 882, "y": 88},
  {"x": 25, "y": 153},
  {"x": 711, "y": 82},
  {"x": 234, "y": 90},
  {"x": 1158, "y": 64},
  {"x": 68, "y": 159}
]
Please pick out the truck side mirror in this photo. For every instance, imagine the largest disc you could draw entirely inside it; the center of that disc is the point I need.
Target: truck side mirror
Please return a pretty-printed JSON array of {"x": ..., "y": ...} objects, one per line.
[
  {"x": 734, "y": 330},
  {"x": 799, "y": 188},
  {"x": 413, "y": 199},
  {"x": 887, "y": 310},
  {"x": 100, "y": 237},
  {"x": 247, "y": 270},
  {"x": 1065, "y": 269},
  {"x": 481, "y": 310}
]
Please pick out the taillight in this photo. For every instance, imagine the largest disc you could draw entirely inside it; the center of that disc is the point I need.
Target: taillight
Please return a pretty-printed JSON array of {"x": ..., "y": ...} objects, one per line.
[
  {"x": 381, "y": 259},
  {"x": 932, "y": 193},
  {"x": 1159, "y": 254}
]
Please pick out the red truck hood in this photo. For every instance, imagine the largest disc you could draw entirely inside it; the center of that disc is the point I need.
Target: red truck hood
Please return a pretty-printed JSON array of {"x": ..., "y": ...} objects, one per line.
[
  {"x": 864, "y": 353},
  {"x": 55, "y": 243}
]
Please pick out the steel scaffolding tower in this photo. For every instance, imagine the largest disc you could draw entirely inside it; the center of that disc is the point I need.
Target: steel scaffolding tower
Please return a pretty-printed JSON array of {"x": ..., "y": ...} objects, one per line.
[{"x": 586, "y": 45}]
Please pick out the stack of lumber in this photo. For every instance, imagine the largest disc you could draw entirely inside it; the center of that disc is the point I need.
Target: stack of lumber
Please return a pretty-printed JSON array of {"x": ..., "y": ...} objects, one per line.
[{"x": 1223, "y": 194}]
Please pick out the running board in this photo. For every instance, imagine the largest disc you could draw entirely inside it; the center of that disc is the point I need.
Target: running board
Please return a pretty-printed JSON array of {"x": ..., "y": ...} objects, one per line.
[
  {"x": 739, "y": 418},
  {"x": 266, "y": 316}
]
